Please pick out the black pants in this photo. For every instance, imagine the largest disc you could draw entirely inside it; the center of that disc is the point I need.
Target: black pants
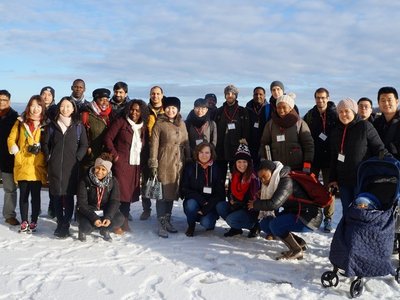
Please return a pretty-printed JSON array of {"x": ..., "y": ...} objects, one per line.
[
  {"x": 63, "y": 208},
  {"x": 26, "y": 188},
  {"x": 164, "y": 207},
  {"x": 86, "y": 226},
  {"x": 125, "y": 208}
]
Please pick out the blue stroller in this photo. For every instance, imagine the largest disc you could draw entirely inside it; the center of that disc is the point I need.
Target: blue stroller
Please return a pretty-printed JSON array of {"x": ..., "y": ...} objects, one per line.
[{"x": 363, "y": 242}]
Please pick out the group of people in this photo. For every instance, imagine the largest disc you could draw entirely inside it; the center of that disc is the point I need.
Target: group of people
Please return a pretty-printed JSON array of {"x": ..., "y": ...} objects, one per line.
[{"x": 104, "y": 151}]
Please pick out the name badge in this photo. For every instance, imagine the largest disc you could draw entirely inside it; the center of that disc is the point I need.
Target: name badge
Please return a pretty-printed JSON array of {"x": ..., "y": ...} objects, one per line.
[
  {"x": 323, "y": 136},
  {"x": 207, "y": 190},
  {"x": 340, "y": 157},
  {"x": 280, "y": 138},
  {"x": 256, "y": 125},
  {"x": 198, "y": 142},
  {"x": 99, "y": 213},
  {"x": 231, "y": 126}
]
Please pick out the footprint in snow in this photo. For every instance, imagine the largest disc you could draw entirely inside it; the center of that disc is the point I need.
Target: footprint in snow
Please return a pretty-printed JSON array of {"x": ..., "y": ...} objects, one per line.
[{"x": 99, "y": 286}]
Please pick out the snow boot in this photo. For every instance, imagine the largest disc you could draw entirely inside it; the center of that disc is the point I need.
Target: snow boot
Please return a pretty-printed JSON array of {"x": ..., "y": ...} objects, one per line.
[
  {"x": 190, "y": 230},
  {"x": 302, "y": 243},
  {"x": 168, "y": 226},
  {"x": 295, "y": 250}
]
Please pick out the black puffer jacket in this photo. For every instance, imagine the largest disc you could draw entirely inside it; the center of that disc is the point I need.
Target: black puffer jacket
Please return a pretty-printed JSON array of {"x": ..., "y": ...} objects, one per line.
[
  {"x": 87, "y": 199},
  {"x": 6, "y": 123},
  {"x": 360, "y": 142},
  {"x": 310, "y": 215},
  {"x": 389, "y": 132},
  {"x": 322, "y": 124}
]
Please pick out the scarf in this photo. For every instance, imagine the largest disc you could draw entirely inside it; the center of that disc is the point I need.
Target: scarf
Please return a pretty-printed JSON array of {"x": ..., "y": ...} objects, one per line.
[
  {"x": 136, "y": 146},
  {"x": 197, "y": 122},
  {"x": 105, "y": 182},
  {"x": 104, "y": 114},
  {"x": 64, "y": 122},
  {"x": 33, "y": 122},
  {"x": 286, "y": 121},
  {"x": 267, "y": 191},
  {"x": 239, "y": 187}
]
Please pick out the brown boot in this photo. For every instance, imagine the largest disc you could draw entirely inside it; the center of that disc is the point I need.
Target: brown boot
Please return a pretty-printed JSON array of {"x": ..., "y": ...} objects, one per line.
[
  {"x": 125, "y": 227},
  {"x": 302, "y": 243},
  {"x": 295, "y": 250},
  {"x": 118, "y": 230}
]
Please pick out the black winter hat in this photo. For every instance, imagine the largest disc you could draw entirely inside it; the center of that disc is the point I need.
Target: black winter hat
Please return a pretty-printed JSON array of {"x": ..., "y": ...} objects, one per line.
[
  {"x": 100, "y": 93},
  {"x": 172, "y": 101},
  {"x": 242, "y": 152},
  {"x": 200, "y": 102},
  {"x": 50, "y": 89},
  {"x": 211, "y": 96}
]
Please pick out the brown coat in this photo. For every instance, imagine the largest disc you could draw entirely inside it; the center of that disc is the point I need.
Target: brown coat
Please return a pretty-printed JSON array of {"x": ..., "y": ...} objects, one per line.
[{"x": 169, "y": 149}]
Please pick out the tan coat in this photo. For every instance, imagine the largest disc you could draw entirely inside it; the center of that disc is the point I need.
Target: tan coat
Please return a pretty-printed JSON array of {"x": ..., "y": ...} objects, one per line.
[
  {"x": 27, "y": 166},
  {"x": 169, "y": 149}
]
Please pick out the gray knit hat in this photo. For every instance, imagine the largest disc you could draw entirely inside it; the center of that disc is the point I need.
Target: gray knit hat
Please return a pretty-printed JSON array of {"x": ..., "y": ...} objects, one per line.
[
  {"x": 231, "y": 88},
  {"x": 347, "y": 103},
  {"x": 276, "y": 83}
]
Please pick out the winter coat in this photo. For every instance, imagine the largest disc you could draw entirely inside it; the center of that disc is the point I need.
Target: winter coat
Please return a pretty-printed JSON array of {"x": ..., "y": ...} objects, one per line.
[
  {"x": 319, "y": 124},
  {"x": 153, "y": 117},
  {"x": 118, "y": 141},
  {"x": 389, "y": 132},
  {"x": 119, "y": 108},
  {"x": 363, "y": 243},
  {"x": 87, "y": 199},
  {"x": 361, "y": 141},
  {"x": 228, "y": 139},
  {"x": 63, "y": 153},
  {"x": 96, "y": 127},
  {"x": 6, "y": 123},
  {"x": 169, "y": 150},
  {"x": 258, "y": 117},
  {"x": 297, "y": 148},
  {"x": 200, "y": 129},
  {"x": 194, "y": 181},
  {"x": 27, "y": 166},
  {"x": 310, "y": 215}
]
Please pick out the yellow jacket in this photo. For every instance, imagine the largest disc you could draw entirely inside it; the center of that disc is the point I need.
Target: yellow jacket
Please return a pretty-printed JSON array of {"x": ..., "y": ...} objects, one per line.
[
  {"x": 153, "y": 117},
  {"x": 27, "y": 166}
]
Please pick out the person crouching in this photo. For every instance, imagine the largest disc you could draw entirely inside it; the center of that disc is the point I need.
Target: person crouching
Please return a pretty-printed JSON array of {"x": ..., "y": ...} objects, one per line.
[{"x": 98, "y": 200}]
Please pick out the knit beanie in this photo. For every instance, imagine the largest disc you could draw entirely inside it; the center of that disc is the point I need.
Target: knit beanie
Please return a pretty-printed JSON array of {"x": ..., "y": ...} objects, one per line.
[
  {"x": 347, "y": 103},
  {"x": 50, "y": 89},
  {"x": 288, "y": 99},
  {"x": 231, "y": 88},
  {"x": 211, "y": 96},
  {"x": 276, "y": 83},
  {"x": 242, "y": 152},
  {"x": 172, "y": 101},
  {"x": 105, "y": 163},
  {"x": 200, "y": 102}
]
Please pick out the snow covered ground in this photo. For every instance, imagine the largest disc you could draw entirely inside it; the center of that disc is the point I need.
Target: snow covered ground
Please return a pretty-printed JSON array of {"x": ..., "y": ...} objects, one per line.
[{"x": 141, "y": 265}]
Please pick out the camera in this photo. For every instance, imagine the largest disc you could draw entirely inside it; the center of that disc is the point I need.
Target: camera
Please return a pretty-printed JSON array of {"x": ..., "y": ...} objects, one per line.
[{"x": 34, "y": 149}]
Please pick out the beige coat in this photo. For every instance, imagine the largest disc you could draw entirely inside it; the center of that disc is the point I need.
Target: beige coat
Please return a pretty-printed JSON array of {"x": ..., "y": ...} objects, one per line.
[{"x": 169, "y": 149}]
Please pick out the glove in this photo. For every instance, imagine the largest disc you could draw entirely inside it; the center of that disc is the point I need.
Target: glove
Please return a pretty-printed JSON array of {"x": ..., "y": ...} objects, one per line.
[
  {"x": 307, "y": 167},
  {"x": 153, "y": 172}
]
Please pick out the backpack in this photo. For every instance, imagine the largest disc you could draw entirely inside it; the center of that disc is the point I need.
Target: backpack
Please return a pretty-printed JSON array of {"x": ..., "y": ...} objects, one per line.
[{"x": 317, "y": 193}]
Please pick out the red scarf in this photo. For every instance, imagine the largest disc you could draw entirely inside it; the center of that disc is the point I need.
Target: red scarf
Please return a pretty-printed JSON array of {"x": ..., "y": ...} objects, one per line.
[{"x": 239, "y": 187}]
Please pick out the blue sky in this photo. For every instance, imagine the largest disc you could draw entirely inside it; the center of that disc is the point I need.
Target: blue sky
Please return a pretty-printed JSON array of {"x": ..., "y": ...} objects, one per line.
[{"x": 194, "y": 47}]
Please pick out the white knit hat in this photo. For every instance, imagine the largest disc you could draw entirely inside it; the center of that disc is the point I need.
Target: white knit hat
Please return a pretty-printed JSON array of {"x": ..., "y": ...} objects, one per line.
[{"x": 288, "y": 99}]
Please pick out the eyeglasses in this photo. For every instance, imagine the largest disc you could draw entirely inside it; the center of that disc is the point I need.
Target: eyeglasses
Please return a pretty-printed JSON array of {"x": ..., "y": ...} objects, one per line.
[{"x": 320, "y": 98}]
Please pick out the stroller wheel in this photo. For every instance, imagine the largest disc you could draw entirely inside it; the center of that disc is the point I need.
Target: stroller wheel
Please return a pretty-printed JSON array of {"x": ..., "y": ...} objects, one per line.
[
  {"x": 397, "y": 276},
  {"x": 356, "y": 288},
  {"x": 329, "y": 279}
]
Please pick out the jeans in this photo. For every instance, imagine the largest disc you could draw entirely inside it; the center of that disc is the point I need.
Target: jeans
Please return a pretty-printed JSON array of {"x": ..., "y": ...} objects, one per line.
[
  {"x": 191, "y": 207},
  {"x": 10, "y": 195},
  {"x": 238, "y": 219},
  {"x": 26, "y": 188},
  {"x": 283, "y": 224},
  {"x": 347, "y": 195},
  {"x": 63, "y": 208}
]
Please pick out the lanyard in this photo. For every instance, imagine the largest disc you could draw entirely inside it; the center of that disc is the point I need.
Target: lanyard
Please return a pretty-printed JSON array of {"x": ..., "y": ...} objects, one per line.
[
  {"x": 230, "y": 118},
  {"x": 323, "y": 117},
  {"x": 202, "y": 128},
  {"x": 258, "y": 112},
  {"x": 343, "y": 138},
  {"x": 100, "y": 193}
]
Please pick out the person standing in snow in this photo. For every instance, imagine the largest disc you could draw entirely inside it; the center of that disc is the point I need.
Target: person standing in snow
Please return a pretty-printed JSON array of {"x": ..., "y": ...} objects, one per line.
[{"x": 65, "y": 146}]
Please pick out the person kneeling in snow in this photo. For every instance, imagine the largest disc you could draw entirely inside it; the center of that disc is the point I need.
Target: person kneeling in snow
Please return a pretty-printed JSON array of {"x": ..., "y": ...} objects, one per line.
[
  {"x": 98, "y": 200},
  {"x": 276, "y": 188}
]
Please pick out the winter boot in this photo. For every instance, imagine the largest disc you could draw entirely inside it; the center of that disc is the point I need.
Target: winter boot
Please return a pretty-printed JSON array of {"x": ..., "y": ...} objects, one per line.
[
  {"x": 168, "y": 226},
  {"x": 81, "y": 236},
  {"x": 302, "y": 243},
  {"x": 255, "y": 231},
  {"x": 190, "y": 230},
  {"x": 327, "y": 225},
  {"x": 233, "y": 232},
  {"x": 106, "y": 234},
  {"x": 162, "y": 231},
  {"x": 145, "y": 214},
  {"x": 125, "y": 227},
  {"x": 295, "y": 250}
]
